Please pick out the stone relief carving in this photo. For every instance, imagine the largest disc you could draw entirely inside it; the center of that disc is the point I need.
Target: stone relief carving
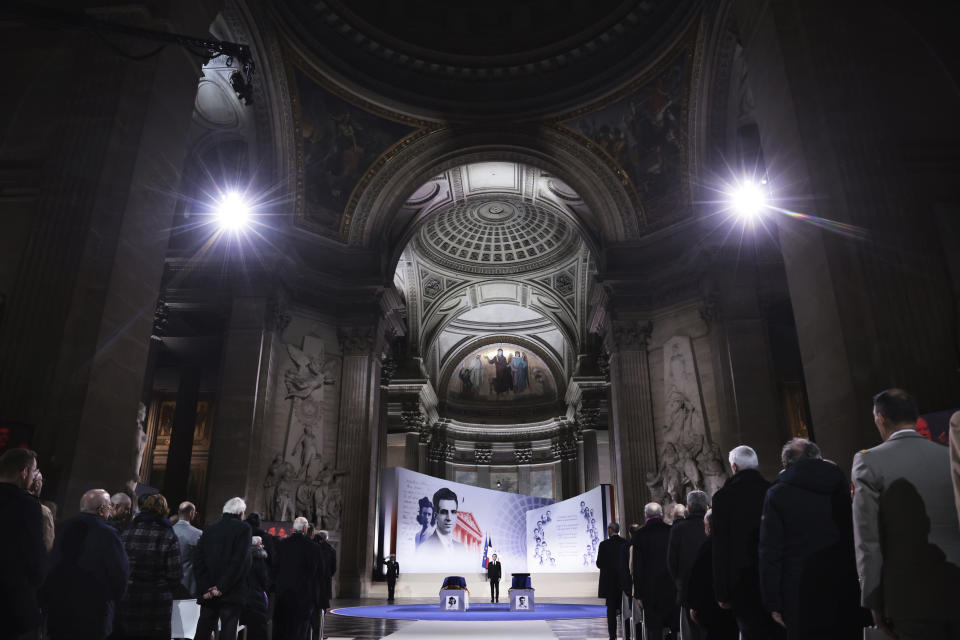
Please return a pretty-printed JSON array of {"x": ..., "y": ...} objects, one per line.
[
  {"x": 317, "y": 497},
  {"x": 687, "y": 460}
]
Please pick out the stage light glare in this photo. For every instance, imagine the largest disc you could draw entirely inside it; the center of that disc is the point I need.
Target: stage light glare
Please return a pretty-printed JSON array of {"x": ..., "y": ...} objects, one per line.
[
  {"x": 233, "y": 212},
  {"x": 748, "y": 201}
]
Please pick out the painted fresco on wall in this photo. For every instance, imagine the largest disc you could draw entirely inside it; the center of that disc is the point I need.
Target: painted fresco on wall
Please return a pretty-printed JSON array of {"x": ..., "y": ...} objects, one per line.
[
  {"x": 340, "y": 142},
  {"x": 502, "y": 373},
  {"x": 644, "y": 132}
]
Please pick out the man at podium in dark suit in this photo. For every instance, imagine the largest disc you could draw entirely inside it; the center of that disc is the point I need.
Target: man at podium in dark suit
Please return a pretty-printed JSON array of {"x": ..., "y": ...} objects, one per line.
[
  {"x": 442, "y": 545},
  {"x": 494, "y": 572}
]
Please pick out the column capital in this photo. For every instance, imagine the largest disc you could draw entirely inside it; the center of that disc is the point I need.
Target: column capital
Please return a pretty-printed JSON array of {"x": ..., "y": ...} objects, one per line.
[
  {"x": 627, "y": 335},
  {"x": 357, "y": 339}
]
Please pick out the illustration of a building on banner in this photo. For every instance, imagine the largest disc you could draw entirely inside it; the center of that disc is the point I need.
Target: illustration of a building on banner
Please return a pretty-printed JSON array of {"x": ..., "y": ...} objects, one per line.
[{"x": 468, "y": 531}]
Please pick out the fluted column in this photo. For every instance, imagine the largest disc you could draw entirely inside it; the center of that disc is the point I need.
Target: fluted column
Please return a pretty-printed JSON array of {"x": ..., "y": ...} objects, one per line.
[
  {"x": 358, "y": 449},
  {"x": 633, "y": 445}
]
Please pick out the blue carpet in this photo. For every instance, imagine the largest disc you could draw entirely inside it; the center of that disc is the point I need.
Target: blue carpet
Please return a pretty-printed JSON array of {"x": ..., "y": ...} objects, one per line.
[{"x": 477, "y": 611}]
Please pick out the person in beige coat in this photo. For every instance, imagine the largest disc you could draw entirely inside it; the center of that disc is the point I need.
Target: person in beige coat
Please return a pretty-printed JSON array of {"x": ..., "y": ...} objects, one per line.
[
  {"x": 955, "y": 459},
  {"x": 905, "y": 528}
]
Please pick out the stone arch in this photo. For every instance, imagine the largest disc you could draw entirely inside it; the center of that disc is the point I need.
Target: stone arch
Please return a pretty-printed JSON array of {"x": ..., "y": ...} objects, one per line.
[{"x": 371, "y": 223}]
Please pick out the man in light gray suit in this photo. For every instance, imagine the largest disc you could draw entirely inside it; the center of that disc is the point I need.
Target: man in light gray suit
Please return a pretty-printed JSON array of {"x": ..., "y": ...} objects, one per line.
[
  {"x": 188, "y": 536},
  {"x": 905, "y": 527}
]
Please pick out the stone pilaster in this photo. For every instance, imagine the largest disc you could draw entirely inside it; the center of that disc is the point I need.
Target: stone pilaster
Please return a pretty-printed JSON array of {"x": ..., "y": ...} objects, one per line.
[
  {"x": 633, "y": 445},
  {"x": 239, "y": 402},
  {"x": 358, "y": 450}
]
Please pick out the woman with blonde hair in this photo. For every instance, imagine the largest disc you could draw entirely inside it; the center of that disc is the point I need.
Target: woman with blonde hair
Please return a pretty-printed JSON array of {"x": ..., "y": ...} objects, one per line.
[{"x": 144, "y": 611}]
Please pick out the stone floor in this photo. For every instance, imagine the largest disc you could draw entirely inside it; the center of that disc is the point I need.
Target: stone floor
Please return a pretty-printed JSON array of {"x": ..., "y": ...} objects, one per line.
[{"x": 350, "y": 628}]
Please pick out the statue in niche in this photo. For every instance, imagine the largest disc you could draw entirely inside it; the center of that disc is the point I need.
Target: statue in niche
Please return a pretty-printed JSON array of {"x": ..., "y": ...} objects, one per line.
[
  {"x": 333, "y": 506},
  {"x": 140, "y": 446},
  {"x": 710, "y": 462},
  {"x": 325, "y": 482},
  {"x": 307, "y": 450}
]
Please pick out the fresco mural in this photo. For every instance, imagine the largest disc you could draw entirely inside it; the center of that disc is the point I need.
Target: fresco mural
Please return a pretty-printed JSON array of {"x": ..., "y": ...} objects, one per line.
[
  {"x": 340, "y": 142},
  {"x": 502, "y": 373},
  {"x": 644, "y": 132}
]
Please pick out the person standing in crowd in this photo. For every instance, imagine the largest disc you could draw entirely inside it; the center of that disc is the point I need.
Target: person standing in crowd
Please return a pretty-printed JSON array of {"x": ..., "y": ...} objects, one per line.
[
  {"x": 122, "y": 511},
  {"x": 48, "y": 524},
  {"x": 393, "y": 572},
  {"x": 905, "y": 527},
  {"x": 494, "y": 573},
  {"x": 808, "y": 575},
  {"x": 614, "y": 578},
  {"x": 325, "y": 589},
  {"x": 269, "y": 541},
  {"x": 187, "y": 537},
  {"x": 737, "y": 509},
  {"x": 712, "y": 622},
  {"x": 22, "y": 553},
  {"x": 254, "y": 616},
  {"x": 652, "y": 586},
  {"x": 686, "y": 538},
  {"x": 88, "y": 575},
  {"x": 155, "y": 573},
  {"x": 299, "y": 570},
  {"x": 223, "y": 560}
]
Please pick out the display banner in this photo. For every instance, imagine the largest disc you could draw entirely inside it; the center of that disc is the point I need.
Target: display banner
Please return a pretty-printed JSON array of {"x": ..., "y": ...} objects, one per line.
[
  {"x": 439, "y": 526},
  {"x": 443, "y": 526},
  {"x": 564, "y": 536}
]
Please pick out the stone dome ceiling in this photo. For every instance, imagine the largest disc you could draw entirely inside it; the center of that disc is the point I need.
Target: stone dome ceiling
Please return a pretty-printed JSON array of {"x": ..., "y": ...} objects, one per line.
[
  {"x": 477, "y": 60},
  {"x": 496, "y": 236}
]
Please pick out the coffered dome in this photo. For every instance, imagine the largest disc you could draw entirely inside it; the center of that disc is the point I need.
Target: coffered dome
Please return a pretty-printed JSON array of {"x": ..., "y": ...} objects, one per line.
[{"x": 496, "y": 237}]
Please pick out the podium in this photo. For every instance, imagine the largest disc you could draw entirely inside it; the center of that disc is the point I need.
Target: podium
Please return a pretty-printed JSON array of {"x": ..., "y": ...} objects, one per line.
[
  {"x": 454, "y": 595},
  {"x": 521, "y": 592}
]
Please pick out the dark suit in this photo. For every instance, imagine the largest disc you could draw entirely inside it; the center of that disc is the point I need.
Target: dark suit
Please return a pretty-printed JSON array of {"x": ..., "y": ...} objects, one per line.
[
  {"x": 432, "y": 546},
  {"x": 223, "y": 559},
  {"x": 329, "y": 570},
  {"x": 686, "y": 538},
  {"x": 89, "y": 574},
  {"x": 393, "y": 570},
  {"x": 651, "y": 578},
  {"x": 494, "y": 573},
  {"x": 737, "y": 509},
  {"x": 807, "y": 567},
  {"x": 614, "y": 577},
  {"x": 22, "y": 557},
  {"x": 299, "y": 568}
]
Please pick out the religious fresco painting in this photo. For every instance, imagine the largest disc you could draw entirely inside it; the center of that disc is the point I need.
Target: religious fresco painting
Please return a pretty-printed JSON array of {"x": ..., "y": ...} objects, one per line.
[
  {"x": 502, "y": 373},
  {"x": 644, "y": 132},
  {"x": 340, "y": 142}
]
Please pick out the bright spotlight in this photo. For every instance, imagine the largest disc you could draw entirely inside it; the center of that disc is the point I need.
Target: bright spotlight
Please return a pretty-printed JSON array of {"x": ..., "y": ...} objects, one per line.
[
  {"x": 233, "y": 212},
  {"x": 748, "y": 201}
]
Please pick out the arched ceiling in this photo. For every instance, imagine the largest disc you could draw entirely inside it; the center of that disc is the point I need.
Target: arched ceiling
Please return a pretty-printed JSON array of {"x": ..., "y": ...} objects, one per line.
[
  {"x": 480, "y": 59},
  {"x": 504, "y": 260}
]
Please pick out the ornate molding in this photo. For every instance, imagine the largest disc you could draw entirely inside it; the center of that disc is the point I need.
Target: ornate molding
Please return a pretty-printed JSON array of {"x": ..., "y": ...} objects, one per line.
[
  {"x": 161, "y": 319},
  {"x": 357, "y": 340},
  {"x": 523, "y": 453},
  {"x": 628, "y": 335},
  {"x": 483, "y": 454}
]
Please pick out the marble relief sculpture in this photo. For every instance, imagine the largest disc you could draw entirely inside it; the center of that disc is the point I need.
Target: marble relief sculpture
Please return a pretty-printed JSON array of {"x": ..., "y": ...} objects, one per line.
[
  {"x": 140, "y": 445},
  {"x": 687, "y": 460}
]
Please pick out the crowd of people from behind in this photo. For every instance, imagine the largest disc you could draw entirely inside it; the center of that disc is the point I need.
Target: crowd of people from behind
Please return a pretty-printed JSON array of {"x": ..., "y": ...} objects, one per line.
[
  {"x": 810, "y": 555},
  {"x": 113, "y": 571}
]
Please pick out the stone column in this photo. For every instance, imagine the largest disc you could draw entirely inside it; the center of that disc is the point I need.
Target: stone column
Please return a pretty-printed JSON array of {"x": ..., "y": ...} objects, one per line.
[
  {"x": 177, "y": 472},
  {"x": 524, "y": 485},
  {"x": 591, "y": 462},
  {"x": 238, "y": 403},
  {"x": 358, "y": 446},
  {"x": 869, "y": 298},
  {"x": 106, "y": 139},
  {"x": 633, "y": 446}
]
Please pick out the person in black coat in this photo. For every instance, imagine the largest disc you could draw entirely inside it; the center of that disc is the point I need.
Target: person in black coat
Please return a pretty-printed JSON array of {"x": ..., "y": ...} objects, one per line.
[
  {"x": 298, "y": 571},
  {"x": 652, "y": 585},
  {"x": 22, "y": 554},
  {"x": 614, "y": 577},
  {"x": 494, "y": 574},
  {"x": 713, "y": 622},
  {"x": 254, "y": 616},
  {"x": 808, "y": 572},
  {"x": 737, "y": 509},
  {"x": 223, "y": 560},
  {"x": 393, "y": 572},
  {"x": 325, "y": 588},
  {"x": 89, "y": 573},
  {"x": 686, "y": 537}
]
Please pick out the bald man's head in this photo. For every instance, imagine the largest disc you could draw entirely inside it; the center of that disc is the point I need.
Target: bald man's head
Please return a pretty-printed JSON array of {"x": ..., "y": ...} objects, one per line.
[{"x": 96, "y": 502}]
